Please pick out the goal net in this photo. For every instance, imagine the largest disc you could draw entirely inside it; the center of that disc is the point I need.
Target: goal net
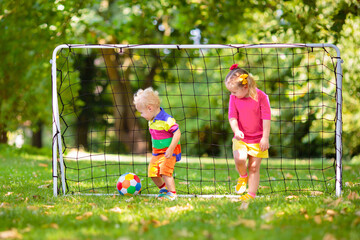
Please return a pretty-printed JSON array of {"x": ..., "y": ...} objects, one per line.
[{"x": 98, "y": 135}]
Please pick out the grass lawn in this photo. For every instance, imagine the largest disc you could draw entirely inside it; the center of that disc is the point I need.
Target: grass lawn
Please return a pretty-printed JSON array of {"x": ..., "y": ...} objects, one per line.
[{"x": 28, "y": 210}]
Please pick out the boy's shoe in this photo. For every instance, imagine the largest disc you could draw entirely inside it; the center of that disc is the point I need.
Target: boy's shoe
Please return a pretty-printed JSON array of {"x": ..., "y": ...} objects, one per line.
[
  {"x": 246, "y": 197},
  {"x": 168, "y": 196},
  {"x": 240, "y": 187},
  {"x": 162, "y": 192}
]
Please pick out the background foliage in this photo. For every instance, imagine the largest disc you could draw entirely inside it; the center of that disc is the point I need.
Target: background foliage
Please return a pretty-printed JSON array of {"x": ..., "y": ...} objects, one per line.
[{"x": 32, "y": 29}]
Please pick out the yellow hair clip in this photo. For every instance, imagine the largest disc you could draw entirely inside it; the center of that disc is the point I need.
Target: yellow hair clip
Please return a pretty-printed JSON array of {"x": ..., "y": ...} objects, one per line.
[{"x": 243, "y": 79}]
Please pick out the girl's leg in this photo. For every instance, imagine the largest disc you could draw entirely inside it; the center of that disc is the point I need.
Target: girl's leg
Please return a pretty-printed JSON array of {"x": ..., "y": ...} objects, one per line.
[
  {"x": 240, "y": 157},
  {"x": 254, "y": 174},
  {"x": 240, "y": 161}
]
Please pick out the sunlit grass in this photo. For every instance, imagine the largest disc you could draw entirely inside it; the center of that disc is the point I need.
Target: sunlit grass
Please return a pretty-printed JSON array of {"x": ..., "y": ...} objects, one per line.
[{"x": 28, "y": 210}]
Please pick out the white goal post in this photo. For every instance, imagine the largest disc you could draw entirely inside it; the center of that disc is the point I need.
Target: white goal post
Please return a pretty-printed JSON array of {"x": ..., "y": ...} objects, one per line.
[{"x": 58, "y": 166}]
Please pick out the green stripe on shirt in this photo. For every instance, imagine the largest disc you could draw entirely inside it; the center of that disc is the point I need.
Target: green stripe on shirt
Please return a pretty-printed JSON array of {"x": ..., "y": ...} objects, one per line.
[{"x": 162, "y": 143}]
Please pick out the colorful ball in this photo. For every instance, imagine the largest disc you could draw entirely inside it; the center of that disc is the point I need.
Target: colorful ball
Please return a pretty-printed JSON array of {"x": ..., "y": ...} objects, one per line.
[{"x": 128, "y": 184}]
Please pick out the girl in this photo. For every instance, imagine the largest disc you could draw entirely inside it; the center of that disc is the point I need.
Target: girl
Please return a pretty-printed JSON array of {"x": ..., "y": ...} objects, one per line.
[{"x": 249, "y": 117}]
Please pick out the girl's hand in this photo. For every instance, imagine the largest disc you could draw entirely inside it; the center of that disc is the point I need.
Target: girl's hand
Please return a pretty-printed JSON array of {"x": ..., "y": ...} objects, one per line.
[
  {"x": 239, "y": 135},
  {"x": 264, "y": 144},
  {"x": 169, "y": 153}
]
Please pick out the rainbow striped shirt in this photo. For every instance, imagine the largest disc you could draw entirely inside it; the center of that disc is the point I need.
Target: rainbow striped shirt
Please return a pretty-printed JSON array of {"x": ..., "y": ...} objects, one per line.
[{"x": 162, "y": 129}]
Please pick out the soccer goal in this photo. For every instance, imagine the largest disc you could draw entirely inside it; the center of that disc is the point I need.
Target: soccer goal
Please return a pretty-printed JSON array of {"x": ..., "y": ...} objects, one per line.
[{"x": 98, "y": 135}]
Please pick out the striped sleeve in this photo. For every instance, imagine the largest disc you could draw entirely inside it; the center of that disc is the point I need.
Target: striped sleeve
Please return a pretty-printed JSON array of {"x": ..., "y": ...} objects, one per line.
[{"x": 172, "y": 125}]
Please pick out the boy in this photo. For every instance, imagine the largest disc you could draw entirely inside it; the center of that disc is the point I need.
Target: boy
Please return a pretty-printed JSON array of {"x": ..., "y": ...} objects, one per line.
[{"x": 165, "y": 136}]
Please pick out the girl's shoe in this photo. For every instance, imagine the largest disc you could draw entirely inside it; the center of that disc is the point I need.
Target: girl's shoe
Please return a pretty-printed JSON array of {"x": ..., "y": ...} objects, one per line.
[
  {"x": 240, "y": 187},
  {"x": 246, "y": 197}
]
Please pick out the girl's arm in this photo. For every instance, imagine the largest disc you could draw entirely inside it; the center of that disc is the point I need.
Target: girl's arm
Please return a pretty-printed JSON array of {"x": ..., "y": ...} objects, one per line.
[
  {"x": 233, "y": 120},
  {"x": 173, "y": 144},
  {"x": 235, "y": 128},
  {"x": 264, "y": 143}
]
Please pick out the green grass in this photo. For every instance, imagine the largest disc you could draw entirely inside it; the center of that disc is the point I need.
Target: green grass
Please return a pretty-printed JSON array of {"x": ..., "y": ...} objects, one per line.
[{"x": 28, "y": 210}]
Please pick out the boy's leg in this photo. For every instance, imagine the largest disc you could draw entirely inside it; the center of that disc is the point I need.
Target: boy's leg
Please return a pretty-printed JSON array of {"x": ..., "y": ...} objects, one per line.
[
  {"x": 169, "y": 182},
  {"x": 166, "y": 172},
  {"x": 254, "y": 174},
  {"x": 158, "y": 182},
  {"x": 154, "y": 173},
  {"x": 161, "y": 185}
]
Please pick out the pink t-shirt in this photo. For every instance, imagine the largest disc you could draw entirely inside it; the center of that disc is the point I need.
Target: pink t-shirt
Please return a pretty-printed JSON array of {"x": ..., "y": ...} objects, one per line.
[{"x": 250, "y": 115}]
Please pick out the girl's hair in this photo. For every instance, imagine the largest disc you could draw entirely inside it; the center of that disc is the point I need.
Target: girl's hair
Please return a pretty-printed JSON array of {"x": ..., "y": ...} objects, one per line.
[
  {"x": 234, "y": 79},
  {"x": 148, "y": 96}
]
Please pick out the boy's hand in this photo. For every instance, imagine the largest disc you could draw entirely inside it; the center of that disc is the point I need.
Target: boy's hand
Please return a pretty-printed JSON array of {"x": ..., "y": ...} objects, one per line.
[
  {"x": 239, "y": 135},
  {"x": 264, "y": 144},
  {"x": 169, "y": 153}
]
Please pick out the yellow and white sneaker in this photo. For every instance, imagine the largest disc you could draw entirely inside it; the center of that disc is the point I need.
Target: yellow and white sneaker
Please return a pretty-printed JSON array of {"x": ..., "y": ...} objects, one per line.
[
  {"x": 240, "y": 187},
  {"x": 246, "y": 197}
]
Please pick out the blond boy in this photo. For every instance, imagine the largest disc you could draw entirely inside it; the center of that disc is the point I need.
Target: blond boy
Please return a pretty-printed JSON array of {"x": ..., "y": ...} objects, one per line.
[{"x": 165, "y": 136}]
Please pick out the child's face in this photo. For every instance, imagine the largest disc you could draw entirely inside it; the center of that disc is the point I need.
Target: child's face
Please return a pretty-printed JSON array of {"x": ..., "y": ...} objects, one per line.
[
  {"x": 239, "y": 92},
  {"x": 147, "y": 112}
]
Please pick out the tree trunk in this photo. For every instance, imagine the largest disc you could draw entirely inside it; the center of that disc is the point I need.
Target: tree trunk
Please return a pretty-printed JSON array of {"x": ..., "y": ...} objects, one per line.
[
  {"x": 126, "y": 126},
  {"x": 36, "y": 139},
  {"x": 87, "y": 72},
  {"x": 82, "y": 131},
  {"x": 3, "y": 134}
]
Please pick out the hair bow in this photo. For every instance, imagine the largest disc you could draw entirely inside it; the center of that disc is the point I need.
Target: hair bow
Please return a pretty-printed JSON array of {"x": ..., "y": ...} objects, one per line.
[
  {"x": 243, "y": 79},
  {"x": 234, "y": 66}
]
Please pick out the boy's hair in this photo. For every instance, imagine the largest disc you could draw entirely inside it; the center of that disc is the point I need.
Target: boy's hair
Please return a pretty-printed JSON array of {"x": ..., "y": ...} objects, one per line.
[
  {"x": 232, "y": 79},
  {"x": 148, "y": 96}
]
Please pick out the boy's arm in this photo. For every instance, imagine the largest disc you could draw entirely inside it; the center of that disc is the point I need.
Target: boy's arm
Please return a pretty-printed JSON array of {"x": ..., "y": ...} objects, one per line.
[
  {"x": 264, "y": 143},
  {"x": 173, "y": 144},
  {"x": 235, "y": 128}
]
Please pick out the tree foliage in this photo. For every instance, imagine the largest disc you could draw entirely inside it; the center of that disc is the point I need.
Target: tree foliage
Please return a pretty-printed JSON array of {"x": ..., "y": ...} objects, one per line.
[{"x": 31, "y": 30}]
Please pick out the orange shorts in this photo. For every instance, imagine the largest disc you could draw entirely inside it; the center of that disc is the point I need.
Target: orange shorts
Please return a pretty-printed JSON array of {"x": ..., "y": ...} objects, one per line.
[{"x": 160, "y": 165}]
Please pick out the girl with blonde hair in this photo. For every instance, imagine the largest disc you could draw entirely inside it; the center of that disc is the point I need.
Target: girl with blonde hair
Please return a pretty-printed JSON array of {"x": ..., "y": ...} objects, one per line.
[{"x": 249, "y": 118}]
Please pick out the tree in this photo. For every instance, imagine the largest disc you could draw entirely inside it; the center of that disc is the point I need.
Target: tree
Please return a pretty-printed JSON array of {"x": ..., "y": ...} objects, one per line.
[
  {"x": 165, "y": 22},
  {"x": 334, "y": 22},
  {"x": 111, "y": 22},
  {"x": 30, "y": 31}
]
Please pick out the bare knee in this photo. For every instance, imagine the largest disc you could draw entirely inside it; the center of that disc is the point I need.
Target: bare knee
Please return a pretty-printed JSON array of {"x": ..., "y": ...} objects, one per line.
[
  {"x": 254, "y": 167},
  {"x": 240, "y": 161},
  {"x": 240, "y": 158}
]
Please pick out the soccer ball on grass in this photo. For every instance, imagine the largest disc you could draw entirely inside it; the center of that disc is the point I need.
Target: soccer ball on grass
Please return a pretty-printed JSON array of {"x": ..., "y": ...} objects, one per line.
[{"x": 128, "y": 184}]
